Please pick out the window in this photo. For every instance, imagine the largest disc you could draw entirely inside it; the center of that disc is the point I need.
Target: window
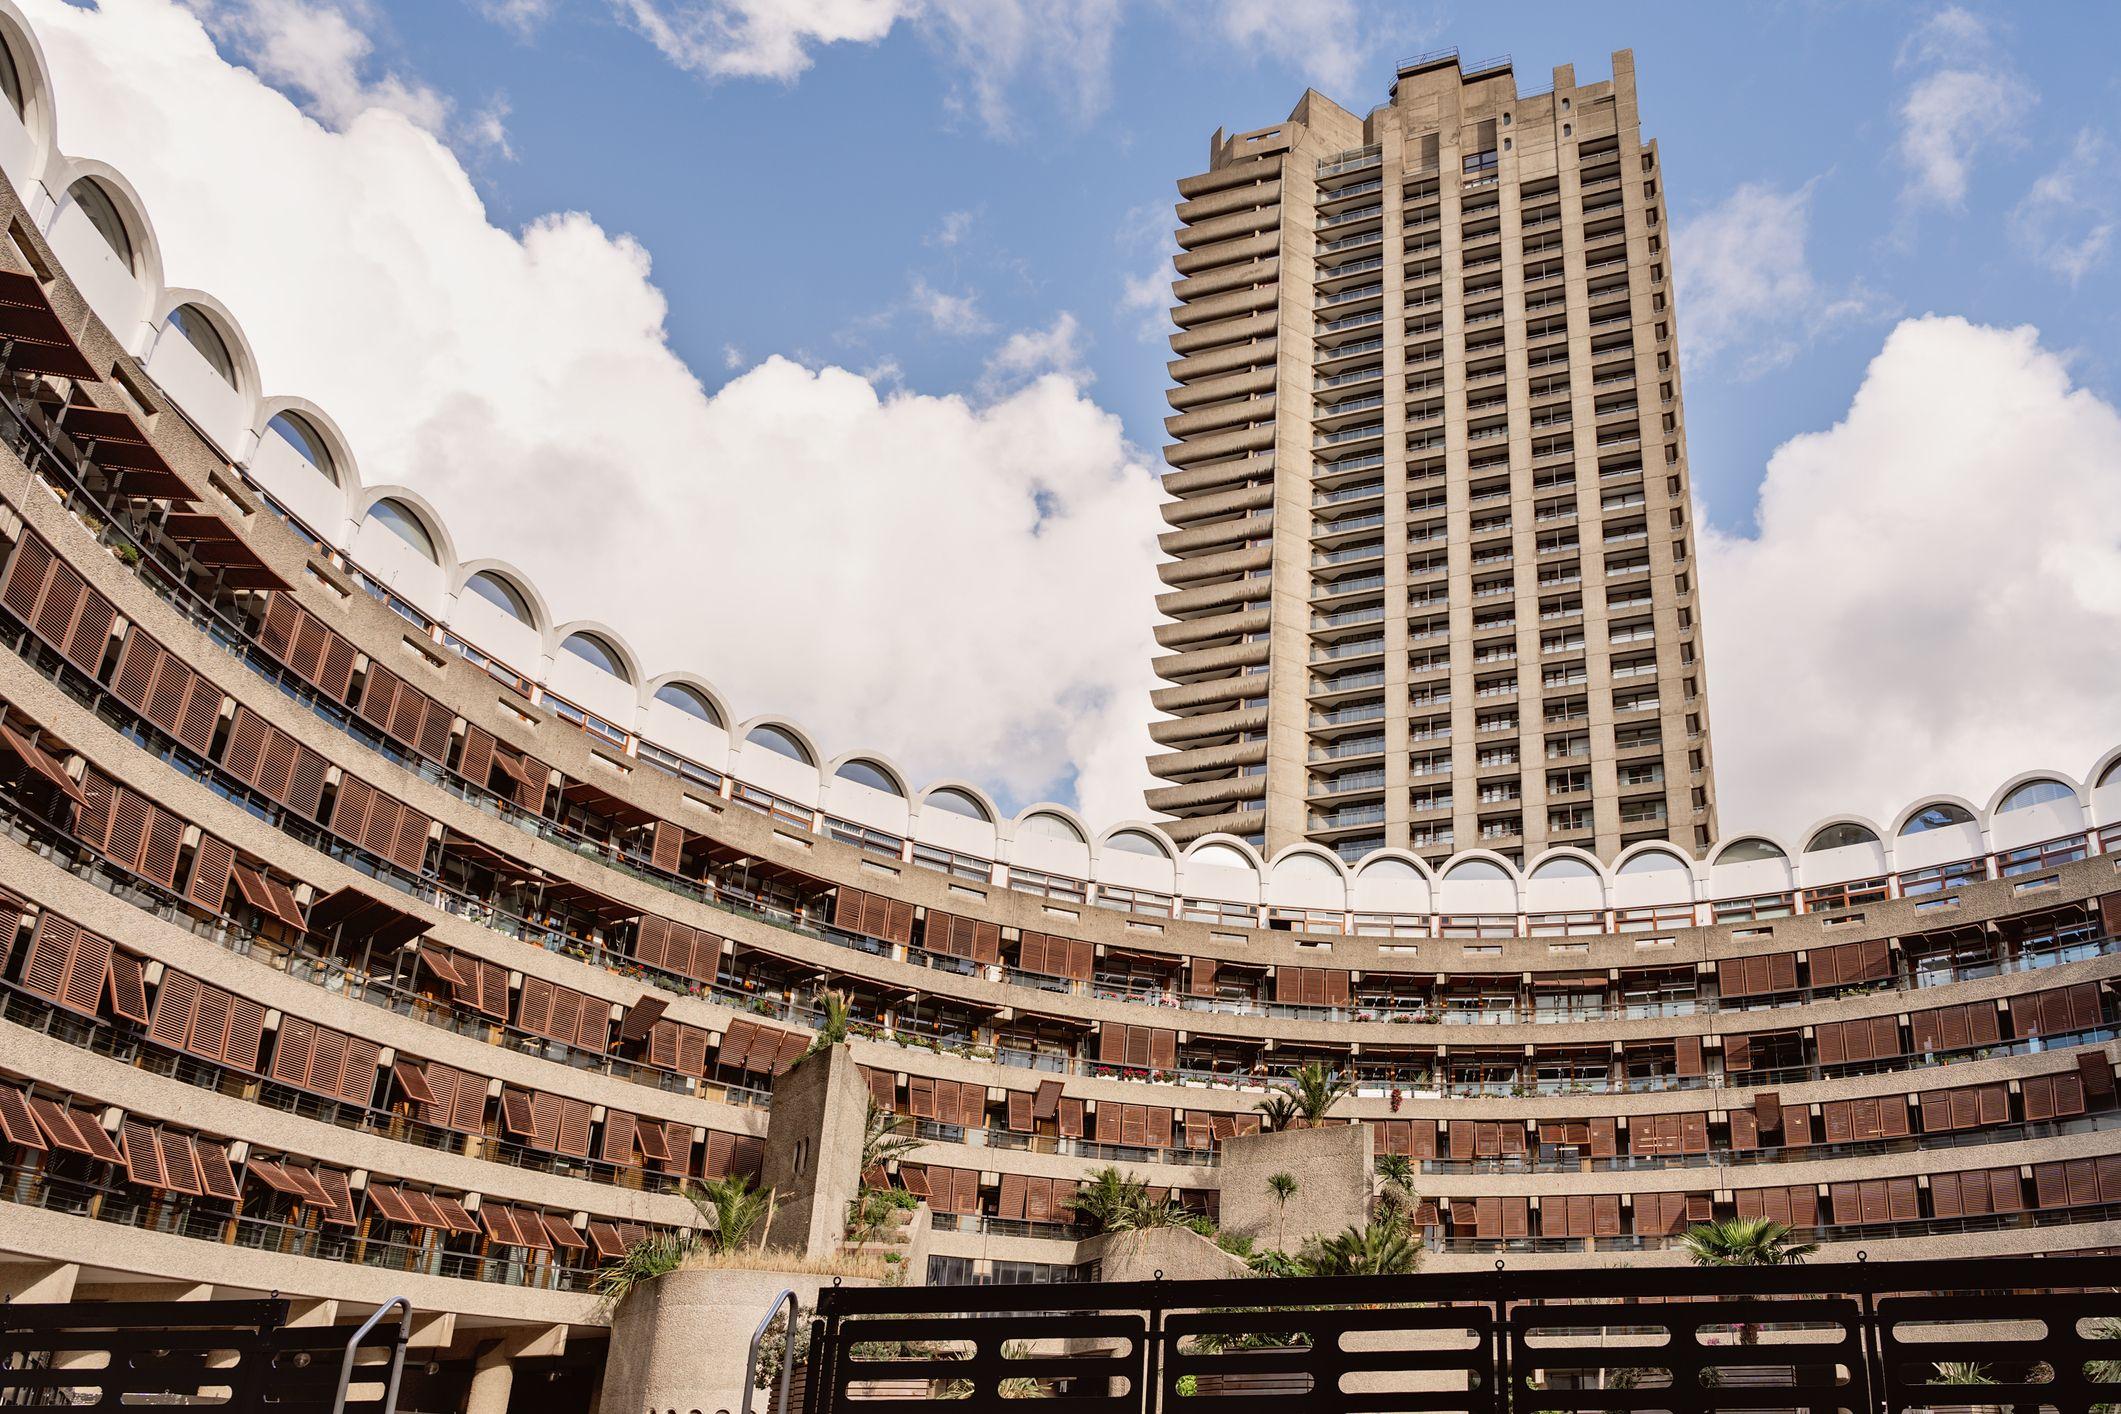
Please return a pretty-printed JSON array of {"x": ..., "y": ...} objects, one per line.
[
  {"x": 780, "y": 743},
  {"x": 1476, "y": 871},
  {"x": 1749, "y": 852},
  {"x": 1654, "y": 861},
  {"x": 1840, "y": 837},
  {"x": 690, "y": 701},
  {"x": 300, "y": 433},
  {"x": 11, "y": 82},
  {"x": 102, "y": 213},
  {"x": 963, "y": 803},
  {"x": 1135, "y": 842},
  {"x": 501, "y": 594},
  {"x": 2035, "y": 793},
  {"x": 198, "y": 330},
  {"x": 1047, "y": 826},
  {"x": 399, "y": 520},
  {"x": 868, "y": 773},
  {"x": 595, "y": 652},
  {"x": 1936, "y": 817}
]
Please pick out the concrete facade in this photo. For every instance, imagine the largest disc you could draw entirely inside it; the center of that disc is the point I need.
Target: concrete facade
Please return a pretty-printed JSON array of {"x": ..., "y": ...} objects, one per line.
[
  {"x": 1334, "y": 1166},
  {"x": 1431, "y": 580},
  {"x": 814, "y": 1152}
]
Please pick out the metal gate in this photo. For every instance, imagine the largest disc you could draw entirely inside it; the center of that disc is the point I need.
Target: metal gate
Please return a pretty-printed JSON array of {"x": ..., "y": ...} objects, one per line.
[
  {"x": 1827, "y": 1338},
  {"x": 241, "y": 1356}
]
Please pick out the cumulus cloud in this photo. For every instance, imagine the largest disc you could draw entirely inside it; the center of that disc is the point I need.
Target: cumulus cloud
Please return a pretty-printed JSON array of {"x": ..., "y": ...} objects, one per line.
[
  {"x": 1036, "y": 353},
  {"x": 1932, "y": 592},
  {"x": 1746, "y": 283},
  {"x": 321, "y": 51},
  {"x": 1321, "y": 41},
  {"x": 1964, "y": 100},
  {"x": 769, "y": 39},
  {"x": 964, "y": 583},
  {"x": 2066, "y": 222}
]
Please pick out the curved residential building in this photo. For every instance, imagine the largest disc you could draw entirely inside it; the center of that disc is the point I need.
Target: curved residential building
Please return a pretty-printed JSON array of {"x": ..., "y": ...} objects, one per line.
[{"x": 371, "y": 928}]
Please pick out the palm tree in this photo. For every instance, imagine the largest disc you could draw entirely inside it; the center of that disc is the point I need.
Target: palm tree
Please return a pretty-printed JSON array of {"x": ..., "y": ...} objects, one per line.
[
  {"x": 1278, "y": 1110},
  {"x": 838, "y": 1013},
  {"x": 1110, "y": 1201},
  {"x": 882, "y": 1140},
  {"x": 1395, "y": 1200},
  {"x": 1744, "y": 1242},
  {"x": 735, "y": 1206},
  {"x": 1317, "y": 1090},
  {"x": 1283, "y": 1187},
  {"x": 1373, "y": 1250}
]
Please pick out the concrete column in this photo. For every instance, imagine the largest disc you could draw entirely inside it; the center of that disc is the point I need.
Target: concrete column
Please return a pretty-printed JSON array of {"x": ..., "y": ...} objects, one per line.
[
  {"x": 493, "y": 1380},
  {"x": 814, "y": 1152}
]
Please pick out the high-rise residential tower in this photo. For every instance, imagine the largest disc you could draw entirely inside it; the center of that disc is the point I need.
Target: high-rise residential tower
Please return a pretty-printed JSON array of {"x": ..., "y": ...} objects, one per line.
[{"x": 1432, "y": 579}]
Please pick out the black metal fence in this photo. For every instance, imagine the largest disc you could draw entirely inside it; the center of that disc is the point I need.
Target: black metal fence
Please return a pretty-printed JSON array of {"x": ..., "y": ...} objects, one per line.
[
  {"x": 240, "y": 1356},
  {"x": 1960, "y": 1337}
]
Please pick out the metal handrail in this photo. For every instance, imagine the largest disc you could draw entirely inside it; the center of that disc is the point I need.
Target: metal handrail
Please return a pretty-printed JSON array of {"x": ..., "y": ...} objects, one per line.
[
  {"x": 397, "y": 1355},
  {"x": 751, "y": 1360}
]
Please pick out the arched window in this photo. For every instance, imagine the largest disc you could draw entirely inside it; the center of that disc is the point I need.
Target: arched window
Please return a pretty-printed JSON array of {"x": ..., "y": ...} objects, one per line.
[
  {"x": 1654, "y": 861},
  {"x": 1936, "y": 817},
  {"x": 963, "y": 803},
  {"x": 1840, "y": 837},
  {"x": 1222, "y": 856},
  {"x": 1567, "y": 866},
  {"x": 501, "y": 594},
  {"x": 300, "y": 433},
  {"x": 11, "y": 81},
  {"x": 2111, "y": 775},
  {"x": 1047, "y": 826},
  {"x": 868, "y": 773},
  {"x": 781, "y": 743},
  {"x": 690, "y": 701},
  {"x": 1750, "y": 851},
  {"x": 1135, "y": 842},
  {"x": 1304, "y": 866},
  {"x": 401, "y": 521},
  {"x": 1388, "y": 869},
  {"x": 102, "y": 213},
  {"x": 1477, "y": 871},
  {"x": 595, "y": 652},
  {"x": 2035, "y": 793},
  {"x": 197, "y": 327}
]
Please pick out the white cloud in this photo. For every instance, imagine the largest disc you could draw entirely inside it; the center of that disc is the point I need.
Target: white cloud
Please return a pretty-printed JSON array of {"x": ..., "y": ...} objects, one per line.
[
  {"x": 1322, "y": 40},
  {"x": 2066, "y": 222},
  {"x": 1933, "y": 591},
  {"x": 732, "y": 356},
  {"x": 1145, "y": 235},
  {"x": 946, "y": 313},
  {"x": 1037, "y": 353},
  {"x": 1001, "y": 47},
  {"x": 320, "y": 50},
  {"x": 965, "y": 585},
  {"x": 1746, "y": 284},
  {"x": 757, "y": 38},
  {"x": 488, "y": 128},
  {"x": 953, "y": 229},
  {"x": 1966, "y": 100},
  {"x": 525, "y": 17}
]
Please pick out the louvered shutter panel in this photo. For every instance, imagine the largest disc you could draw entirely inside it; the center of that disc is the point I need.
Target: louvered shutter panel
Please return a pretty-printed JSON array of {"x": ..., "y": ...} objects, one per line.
[
  {"x": 593, "y": 1029},
  {"x": 213, "y": 864},
  {"x": 26, "y": 573},
  {"x": 617, "y": 1144},
  {"x": 475, "y": 758},
  {"x": 1163, "y": 1049},
  {"x": 296, "y": 1041},
  {"x": 176, "y": 1003},
  {"x": 667, "y": 850},
  {"x": 143, "y": 1155},
  {"x": 127, "y": 981},
  {"x": 534, "y": 1006},
  {"x": 1020, "y": 1121},
  {"x": 2096, "y": 1073},
  {"x": 1687, "y": 1054},
  {"x": 327, "y": 1062},
  {"x": 357, "y": 1080}
]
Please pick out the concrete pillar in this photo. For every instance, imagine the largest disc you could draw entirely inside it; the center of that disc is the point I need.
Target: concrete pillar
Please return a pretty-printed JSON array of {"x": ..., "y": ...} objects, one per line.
[
  {"x": 1334, "y": 1167},
  {"x": 493, "y": 1380},
  {"x": 814, "y": 1152}
]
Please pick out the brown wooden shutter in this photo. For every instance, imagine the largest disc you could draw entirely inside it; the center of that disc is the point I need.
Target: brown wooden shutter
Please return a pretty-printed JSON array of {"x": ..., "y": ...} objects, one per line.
[
  {"x": 667, "y": 847},
  {"x": 304, "y": 644},
  {"x": 1686, "y": 1052},
  {"x": 58, "y": 605},
  {"x": 156, "y": 684},
  {"x": 128, "y": 988},
  {"x": 66, "y": 964}
]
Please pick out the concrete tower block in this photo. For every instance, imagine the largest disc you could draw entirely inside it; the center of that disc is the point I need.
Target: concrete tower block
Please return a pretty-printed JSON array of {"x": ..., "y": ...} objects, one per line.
[
  {"x": 1332, "y": 1166},
  {"x": 814, "y": 1152}
]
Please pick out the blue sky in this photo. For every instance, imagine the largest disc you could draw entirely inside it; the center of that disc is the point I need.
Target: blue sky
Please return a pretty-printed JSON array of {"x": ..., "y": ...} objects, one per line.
[
  {"x": 817, "y": 346},
  {"x": 801, "y": 216}
]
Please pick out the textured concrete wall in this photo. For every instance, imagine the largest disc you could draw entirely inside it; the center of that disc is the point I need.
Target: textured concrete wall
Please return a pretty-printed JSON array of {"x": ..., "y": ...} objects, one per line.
[
  {"x": 1332, "y": 1167},
  {"x": 814, "y": 1152},
  {"x": 679, "y": 1343}
]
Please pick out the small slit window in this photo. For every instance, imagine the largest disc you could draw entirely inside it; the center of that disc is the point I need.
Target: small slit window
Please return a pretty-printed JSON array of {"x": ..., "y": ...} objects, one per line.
[
  {"x": 780, "y": 743},
  {"x": 399, "y": 519},
  {"x": 102, "y": 213},
  {"x": 501, "y": 594},
  {"x": 595, "y": 652},
  {"x": 300, "y": 433},
  {"x": 688, "y": 701}
]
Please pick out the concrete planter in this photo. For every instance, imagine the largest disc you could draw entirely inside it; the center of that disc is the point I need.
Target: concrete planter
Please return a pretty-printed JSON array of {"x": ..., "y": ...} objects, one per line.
[{"x": 678, "y": 1342}]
